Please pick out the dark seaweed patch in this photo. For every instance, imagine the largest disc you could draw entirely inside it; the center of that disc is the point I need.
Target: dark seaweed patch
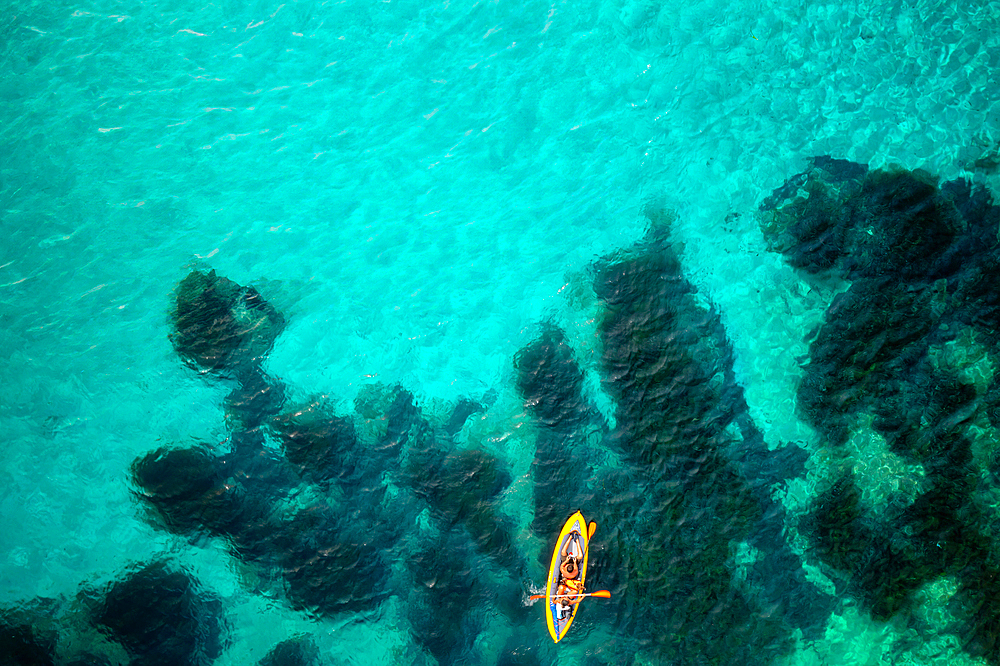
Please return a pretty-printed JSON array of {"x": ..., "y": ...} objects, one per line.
[
  {"x": 206, "y": 330},
  {"x": 883, "y": 573},
  {"x": 465, "y": 408},
  {"x": 862, "y": 224},
  {"x": 459, "y": 486},
  {"x": 870, "y": 334},
  {"x": 550, "y": 381},
  {"x": 256, "y": 399},
  {"x": 326, "y": 567}
]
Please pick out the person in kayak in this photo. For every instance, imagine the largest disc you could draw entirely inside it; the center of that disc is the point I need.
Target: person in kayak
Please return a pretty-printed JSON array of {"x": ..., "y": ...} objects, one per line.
[{"x": 569, "y": 570}]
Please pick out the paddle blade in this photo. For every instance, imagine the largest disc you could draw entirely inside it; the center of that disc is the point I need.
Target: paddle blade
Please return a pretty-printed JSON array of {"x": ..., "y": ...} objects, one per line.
[
  {"x": 591, "y": 529},
  {"x": 605, "y": 594},
  {"x": 536, "y": 597}
]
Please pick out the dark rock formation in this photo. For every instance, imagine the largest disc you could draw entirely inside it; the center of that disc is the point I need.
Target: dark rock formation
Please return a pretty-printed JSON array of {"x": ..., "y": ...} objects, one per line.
[
  {"x": 161, "y": 615},
  {"x": 221, "y": 326},
  {"x": 921, "y": 262}
]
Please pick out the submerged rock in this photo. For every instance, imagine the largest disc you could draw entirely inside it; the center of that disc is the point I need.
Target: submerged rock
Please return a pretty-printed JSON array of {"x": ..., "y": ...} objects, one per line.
[
  {"x": 446, "y": 602},
  {"x": 906, "y": 346},
  {"x": 220, "y": 326},
  {"x": 256, "y": 399},
  {"x": 187, "y": 490},
  {"x": 459, "y": 486},
  {"x": 162, "y": 616},
  {"x": 327, "y": 564},
  {"x": 298, "y": 651},
  {"x": 550, "y": 382},
  {"x": 322, "y": 447},
  {"x": 22, "y": 644},
  {"x": 681, "y": 504}
]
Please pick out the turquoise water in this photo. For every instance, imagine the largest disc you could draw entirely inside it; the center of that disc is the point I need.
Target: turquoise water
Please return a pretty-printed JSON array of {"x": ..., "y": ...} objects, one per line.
[{"x": 416, "y": 187}]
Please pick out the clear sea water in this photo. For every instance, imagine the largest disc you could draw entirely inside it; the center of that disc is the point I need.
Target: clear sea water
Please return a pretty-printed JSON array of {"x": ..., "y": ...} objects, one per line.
[{"x": 416, "y": 186}]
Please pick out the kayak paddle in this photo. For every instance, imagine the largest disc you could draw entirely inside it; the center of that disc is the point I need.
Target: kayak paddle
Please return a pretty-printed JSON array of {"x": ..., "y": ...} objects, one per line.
[{"x": 606, "y": 594}]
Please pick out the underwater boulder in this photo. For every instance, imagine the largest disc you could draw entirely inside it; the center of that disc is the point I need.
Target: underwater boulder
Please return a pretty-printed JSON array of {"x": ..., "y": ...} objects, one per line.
[
  {"x": 460, "y": 489},
  {"x": 979, "y": 597},
  {"x": 22, "y": 644},
  {"x": 901, "y": 345},
  {"x": 297, "y": 651},
  {"x": 872, "y": 334},
  {"x": 187, "y": 491},
  {"x": 975, "y": 298},
  {"x": 447, "y": 598},
  {"x": 666, "y": 364},
  {"x": 811, "y": 230},
  {"x": 221, "y": 326},
  {"x": 843, "y": 219},
  {"x": 471, "y": 480},
  {"x": 464, "y": 409},
  {"x": 405, "y": 426},
  {"x": 255, "y": 399},
  {"x": 886, "y": 558},
  {"x": 459, "y": 486},
  {"x": 550, "y": 381},
  {"x": 900, "y": 226},
  {"x": 327, "y": 565},
  {"x": 320, "y": 446},
  {"x": 463, "y": 482},
  {"x": 205, "y": 330},
  {"x": 664, "y": 372},
  {"x": 163, "y": 617}
]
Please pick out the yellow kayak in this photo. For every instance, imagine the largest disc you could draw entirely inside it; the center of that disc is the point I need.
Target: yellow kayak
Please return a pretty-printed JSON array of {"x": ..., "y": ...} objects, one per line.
[{"x": 573, "y": 539}]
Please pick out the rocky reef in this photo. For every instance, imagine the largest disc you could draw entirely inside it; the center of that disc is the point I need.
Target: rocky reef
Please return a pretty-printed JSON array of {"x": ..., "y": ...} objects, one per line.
[{"x": 906, "y": 352}]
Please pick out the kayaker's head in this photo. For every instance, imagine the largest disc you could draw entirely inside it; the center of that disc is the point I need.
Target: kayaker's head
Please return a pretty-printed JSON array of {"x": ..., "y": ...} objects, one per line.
[{"x": 570, "y": 568}]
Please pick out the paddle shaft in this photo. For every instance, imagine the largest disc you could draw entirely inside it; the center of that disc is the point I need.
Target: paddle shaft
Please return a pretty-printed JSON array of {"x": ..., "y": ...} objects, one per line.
[{"x": 599, "y": 593}]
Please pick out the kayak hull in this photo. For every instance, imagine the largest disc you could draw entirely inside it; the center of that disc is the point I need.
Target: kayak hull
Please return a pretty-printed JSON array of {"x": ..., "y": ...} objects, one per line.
[{"x": 558, "y": 618}]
